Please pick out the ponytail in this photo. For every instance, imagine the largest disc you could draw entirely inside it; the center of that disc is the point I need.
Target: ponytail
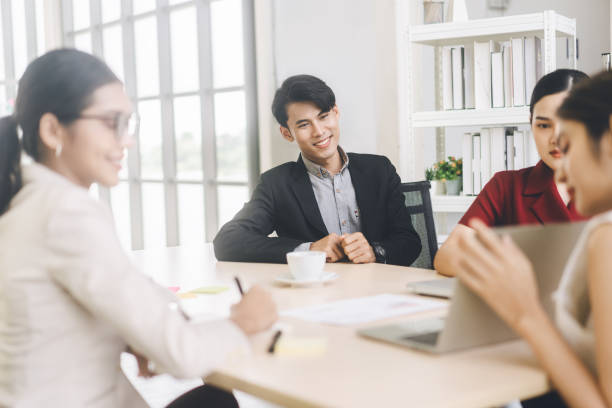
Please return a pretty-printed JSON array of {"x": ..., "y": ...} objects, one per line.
[{"x": 10, "y": 157}]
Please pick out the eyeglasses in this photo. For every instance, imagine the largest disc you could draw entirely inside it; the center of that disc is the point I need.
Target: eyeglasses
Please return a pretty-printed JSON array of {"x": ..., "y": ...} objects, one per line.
[{"x": 124, "y": 126}]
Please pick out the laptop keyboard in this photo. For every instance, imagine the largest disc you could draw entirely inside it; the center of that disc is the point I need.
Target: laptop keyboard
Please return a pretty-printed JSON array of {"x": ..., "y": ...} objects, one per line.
[
  {"x": 423, "y": 331},
  {"x": 427, "y": 338}
]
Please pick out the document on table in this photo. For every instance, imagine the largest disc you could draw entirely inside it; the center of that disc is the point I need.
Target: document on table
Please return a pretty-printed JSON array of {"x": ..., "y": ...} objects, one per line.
[{"x": 365, "y": 309}]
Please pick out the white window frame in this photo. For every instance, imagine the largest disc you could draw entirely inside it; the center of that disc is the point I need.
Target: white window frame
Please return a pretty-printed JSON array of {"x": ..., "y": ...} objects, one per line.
[{"x": 166, "y": 96}]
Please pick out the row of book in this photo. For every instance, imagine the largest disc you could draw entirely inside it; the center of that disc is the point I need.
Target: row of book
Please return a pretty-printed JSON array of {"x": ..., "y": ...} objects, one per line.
[
  {"x": 491, "y": 74},
  {"x": 492, "y": 150}
]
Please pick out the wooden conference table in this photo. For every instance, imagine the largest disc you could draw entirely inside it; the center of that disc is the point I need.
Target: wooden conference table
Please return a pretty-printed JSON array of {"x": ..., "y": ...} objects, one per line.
[{"x": 351, "y": 371}]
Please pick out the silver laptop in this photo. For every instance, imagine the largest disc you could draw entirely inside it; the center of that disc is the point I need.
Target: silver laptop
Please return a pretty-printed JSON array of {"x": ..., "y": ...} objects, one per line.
[
  {"x": 442, "y": 288},
  {"x": 469, "y": 321}
]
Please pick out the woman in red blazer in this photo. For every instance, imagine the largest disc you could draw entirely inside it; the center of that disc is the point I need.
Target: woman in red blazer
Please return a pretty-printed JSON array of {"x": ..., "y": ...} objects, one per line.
[{"x": 530, "y": 195}]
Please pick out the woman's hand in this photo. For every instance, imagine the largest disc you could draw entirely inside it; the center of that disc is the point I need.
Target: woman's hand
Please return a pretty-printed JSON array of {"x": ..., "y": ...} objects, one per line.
[
  {"x": 255, "y": 312},
  {"x": 143, "y": 364},
  {"x": 498, "y": 271}
]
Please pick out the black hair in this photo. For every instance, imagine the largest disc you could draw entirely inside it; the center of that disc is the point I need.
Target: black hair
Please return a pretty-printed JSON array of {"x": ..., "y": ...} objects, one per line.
[
  {"x": 60, "y": 82},
  {"x": 554, "y": 82},
  {"x": 301, "y": 88},
  {"x": 590, "y": 103}
]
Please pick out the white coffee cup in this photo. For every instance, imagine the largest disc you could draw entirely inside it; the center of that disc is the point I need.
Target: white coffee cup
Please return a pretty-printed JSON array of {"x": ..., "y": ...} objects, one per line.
[{"x": 306, "y": 265}]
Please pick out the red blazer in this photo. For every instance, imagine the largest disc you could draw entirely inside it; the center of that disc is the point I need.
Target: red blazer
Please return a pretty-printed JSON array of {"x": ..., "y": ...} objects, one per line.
[{"x": 526, "y": 196}]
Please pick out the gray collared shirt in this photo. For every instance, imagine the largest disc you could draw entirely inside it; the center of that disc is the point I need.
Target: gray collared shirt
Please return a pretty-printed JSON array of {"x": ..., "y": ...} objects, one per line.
[{"x": 335, "y": 197}]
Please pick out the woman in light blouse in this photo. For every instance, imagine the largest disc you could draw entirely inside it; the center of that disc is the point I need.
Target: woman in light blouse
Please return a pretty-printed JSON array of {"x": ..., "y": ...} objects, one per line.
[
  {"x": 576, "y": 350},
  {"x": 70, "y": 299}
]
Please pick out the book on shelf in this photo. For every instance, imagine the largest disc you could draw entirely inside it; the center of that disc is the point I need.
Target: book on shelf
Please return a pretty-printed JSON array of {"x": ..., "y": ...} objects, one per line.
[
  {"x": 447, "y": 78},
  {"x": 489, "y": 74},
  {"x": 498, "y": 150},
  {"x": 497, "y": 80},
  {"x": 507, "y": 62},
  {"x": 457, "y": 69},
  {"x": 518, "y": 71},
  {"x": 494, "y": 149},
  {"x": 482, "y": 74},
  {"x": 485, "y": 155},
  {"x": 468, "y": 75},
  {"x": 476, "y": 166},
  {"x": 519, "y": 149},
  {"x": 510, "y": 150},
  {"x": 533, "y": 65},
  {"x": 468, "y": 177},
  {"x": 532, "y": 155}
]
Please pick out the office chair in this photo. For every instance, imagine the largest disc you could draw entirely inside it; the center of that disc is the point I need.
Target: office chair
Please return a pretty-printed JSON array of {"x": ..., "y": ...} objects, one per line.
[{"x": 418, "y": 203}]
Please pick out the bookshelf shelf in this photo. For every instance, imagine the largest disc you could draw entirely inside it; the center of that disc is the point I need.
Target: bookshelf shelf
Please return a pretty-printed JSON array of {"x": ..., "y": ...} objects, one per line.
[
  {"x": 496, "y": 28},
  {"x": 415, "y": 123},
  {"x": 471, "y": 117},
  {"x": 458, "y": 204}
]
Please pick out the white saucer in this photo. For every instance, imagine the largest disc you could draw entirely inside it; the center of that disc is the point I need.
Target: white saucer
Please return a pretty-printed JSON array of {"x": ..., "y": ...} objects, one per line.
[{"x": 287, "y": 279}]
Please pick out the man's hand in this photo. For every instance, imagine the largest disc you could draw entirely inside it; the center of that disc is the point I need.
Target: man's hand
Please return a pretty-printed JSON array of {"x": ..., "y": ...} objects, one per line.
[
  {"x": 331, "y": 245},
  {"x": 357, "y": 248}
]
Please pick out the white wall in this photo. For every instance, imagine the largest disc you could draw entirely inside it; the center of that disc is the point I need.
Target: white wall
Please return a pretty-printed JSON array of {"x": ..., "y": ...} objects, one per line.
[
  {"x": 351, "y": 45},
  {"x": 348, "y": 44}
]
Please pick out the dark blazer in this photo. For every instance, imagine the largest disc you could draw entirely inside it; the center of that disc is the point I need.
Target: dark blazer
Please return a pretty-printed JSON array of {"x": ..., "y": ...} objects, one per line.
[
  {"x": 526, "y": 196},
  {"x": 284, "y": 202}
]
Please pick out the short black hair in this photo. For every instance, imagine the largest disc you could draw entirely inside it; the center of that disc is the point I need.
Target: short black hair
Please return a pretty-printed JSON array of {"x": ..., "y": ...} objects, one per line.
[
  {"x": 554, "y": 82},
  {"x": 301, "y": 88},
  {"x": 590, "y": 103}
]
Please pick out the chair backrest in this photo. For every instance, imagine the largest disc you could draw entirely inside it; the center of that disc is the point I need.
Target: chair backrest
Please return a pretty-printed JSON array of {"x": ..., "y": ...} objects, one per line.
[{"x": 418, "y": 203}]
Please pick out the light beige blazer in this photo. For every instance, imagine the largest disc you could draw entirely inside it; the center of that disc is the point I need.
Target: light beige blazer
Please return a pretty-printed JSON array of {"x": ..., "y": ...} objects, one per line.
[{"x": 71, "y": 301}]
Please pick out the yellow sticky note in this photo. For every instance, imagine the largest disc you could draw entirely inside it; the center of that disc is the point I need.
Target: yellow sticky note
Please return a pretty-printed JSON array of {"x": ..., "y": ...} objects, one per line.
[
  {"x": 209, "y": 290},
  {"x": 301, "y": 346},
  {"x": 186, "y": 295}
]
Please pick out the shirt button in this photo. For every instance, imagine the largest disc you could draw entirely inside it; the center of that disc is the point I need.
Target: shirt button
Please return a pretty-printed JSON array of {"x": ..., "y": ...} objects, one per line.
[
  {"x": 343, "y": 222},
  {"x": 337, "y": 190}
]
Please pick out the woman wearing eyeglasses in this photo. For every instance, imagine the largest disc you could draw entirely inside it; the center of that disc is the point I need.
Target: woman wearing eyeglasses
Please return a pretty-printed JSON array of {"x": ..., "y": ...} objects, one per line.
[{"x": 70, "y": 300}]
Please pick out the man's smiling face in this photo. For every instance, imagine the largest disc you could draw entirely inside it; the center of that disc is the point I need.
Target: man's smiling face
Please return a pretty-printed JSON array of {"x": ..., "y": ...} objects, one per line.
[{"x": 316, "y": 132}]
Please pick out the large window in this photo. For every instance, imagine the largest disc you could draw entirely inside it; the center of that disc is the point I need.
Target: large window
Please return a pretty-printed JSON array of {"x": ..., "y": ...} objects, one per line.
[
  {"x": 21, "y": 40},
  {"x": 189, "y": 68}
]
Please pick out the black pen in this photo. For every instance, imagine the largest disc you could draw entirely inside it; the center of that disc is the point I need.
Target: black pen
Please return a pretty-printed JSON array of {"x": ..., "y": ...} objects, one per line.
[
  {"x": 239, "y": 286},
  {"x": 274, "y": 341}
]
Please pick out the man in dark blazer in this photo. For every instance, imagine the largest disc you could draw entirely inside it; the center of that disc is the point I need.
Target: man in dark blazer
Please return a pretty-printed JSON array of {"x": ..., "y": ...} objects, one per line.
[{"x": 347, "y": 205}]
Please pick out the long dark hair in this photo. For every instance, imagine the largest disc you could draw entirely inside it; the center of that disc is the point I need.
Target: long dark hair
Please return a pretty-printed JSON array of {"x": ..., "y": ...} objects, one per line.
[
  {"x": 60, "y": 82},
  {"x": 590, "y": 103},
  {"x": 554, "y": 82}
]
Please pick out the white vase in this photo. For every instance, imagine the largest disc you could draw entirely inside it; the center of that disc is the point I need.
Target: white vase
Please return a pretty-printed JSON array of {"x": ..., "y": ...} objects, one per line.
[
  {"x": 453, "y": 187},
  {"x": 457, "y": 11},
  {"x": 438, "y": 187}
]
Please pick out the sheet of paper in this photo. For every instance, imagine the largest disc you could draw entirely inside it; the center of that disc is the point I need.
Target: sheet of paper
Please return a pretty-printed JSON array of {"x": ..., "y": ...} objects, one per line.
[
  {"x": 209, "y": 290},
  {"x": 365, "y": 309}
]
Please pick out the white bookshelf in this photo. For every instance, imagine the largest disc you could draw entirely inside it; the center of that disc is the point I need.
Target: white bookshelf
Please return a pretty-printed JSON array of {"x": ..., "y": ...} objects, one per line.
[
  {"x": 472, "y": 117},
  {"x": 444, "y": 203},
  {"x": 495, "y": 28},
  {"x": 547, "y": 25}
]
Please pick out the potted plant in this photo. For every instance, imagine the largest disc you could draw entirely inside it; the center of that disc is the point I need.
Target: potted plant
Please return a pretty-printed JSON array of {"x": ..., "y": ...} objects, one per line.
[{"x": 452, "y": 172}]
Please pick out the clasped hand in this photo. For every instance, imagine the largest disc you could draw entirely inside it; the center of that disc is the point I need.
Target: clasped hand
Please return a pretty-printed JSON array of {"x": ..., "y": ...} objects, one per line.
[{"x": 354, "y": 246}]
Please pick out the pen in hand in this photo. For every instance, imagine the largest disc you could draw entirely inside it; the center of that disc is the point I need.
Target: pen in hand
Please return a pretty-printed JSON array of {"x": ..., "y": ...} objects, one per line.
[
  {"x": 272, "y": 346},
  {"x": 239, "y": 285}
]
